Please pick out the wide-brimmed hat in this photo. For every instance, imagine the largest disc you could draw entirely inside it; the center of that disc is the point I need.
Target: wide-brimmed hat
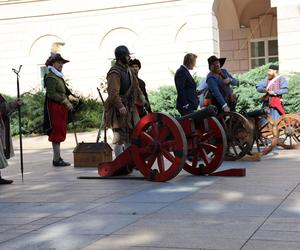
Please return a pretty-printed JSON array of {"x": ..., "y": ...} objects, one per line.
[
  {"x": 55, "y": 58},
  {"x": 212, "y": 59}
]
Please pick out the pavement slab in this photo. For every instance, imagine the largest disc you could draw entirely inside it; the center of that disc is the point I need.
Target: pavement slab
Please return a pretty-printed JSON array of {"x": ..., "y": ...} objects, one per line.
[{"x": 53, "y": 209}]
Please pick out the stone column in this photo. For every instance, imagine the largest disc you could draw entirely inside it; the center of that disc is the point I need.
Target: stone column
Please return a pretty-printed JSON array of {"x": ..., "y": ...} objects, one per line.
[{"x": 288, "y": 25}]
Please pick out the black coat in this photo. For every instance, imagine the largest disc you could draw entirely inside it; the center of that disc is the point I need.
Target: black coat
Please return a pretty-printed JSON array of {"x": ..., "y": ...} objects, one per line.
[
  {"x": 142, "y": 85},
  {"x": 186, "y": 90}
]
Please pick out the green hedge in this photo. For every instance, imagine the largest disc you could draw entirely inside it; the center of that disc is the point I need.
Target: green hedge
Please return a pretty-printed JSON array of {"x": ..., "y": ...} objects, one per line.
[
  {"x": 250, "y": 99},
  {"x": 292, "y": 99},
  {"x": 32, "y": 111},
  {"x": 164, "y": 99}
]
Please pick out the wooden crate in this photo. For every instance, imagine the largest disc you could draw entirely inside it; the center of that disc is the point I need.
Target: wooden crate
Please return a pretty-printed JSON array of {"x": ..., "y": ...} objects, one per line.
[{"x": 91, "y": 154}]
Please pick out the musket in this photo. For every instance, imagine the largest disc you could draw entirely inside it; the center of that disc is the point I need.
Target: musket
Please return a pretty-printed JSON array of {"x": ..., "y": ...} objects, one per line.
[{"x": 102, "y": 120}]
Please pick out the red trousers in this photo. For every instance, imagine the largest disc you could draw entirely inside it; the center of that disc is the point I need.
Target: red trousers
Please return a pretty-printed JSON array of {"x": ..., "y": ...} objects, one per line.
[{"x": 58, "y": 114}]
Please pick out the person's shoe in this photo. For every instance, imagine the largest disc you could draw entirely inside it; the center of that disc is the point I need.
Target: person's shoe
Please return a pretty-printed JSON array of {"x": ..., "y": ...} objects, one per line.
[
  {"x": 3, "y": 181},
  {"x": 60, "y": 163}
]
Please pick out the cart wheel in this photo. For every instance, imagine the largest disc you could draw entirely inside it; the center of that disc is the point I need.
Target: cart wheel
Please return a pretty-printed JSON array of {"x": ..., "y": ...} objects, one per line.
[
  {"x": 265, "y": 136},
  {"x": 239, "y": 135},
  {"x": 289, "y": 131},
  {"x": 159, "y": 138},
  {"x": 206, "y": 147}
]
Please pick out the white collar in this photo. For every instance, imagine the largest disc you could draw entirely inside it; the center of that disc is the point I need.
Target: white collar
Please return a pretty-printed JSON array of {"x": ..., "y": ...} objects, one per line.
[
  {"x": 185, "y": 67},
  {"x": 55, "y": 71}
]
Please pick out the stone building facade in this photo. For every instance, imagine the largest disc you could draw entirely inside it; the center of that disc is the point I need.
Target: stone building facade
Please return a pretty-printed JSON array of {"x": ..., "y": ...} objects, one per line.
[{"x": 159, "y": 32}]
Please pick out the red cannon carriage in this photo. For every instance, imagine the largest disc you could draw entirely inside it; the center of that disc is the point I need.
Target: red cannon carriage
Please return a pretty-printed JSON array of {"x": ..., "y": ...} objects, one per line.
[{"x": 162, "y": 146}]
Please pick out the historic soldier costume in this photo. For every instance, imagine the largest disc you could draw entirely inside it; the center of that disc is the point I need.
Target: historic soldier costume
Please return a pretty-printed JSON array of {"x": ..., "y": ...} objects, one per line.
[
  {"x": 6, "y": 149},
  {"x": 218, "y": 83},
  {"x": 204, "y": 92},
  {"x": 57, "y": 106},
  {"x": 274, "y": 86},
  {"x": 124, "y": 94},
  {"x": 135, "y": 64},
  {"x": 187, "y": 98}
]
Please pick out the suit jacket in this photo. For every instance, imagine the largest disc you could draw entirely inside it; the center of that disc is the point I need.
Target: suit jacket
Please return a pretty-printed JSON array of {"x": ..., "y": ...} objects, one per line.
[{"x": 186, "y": 89}]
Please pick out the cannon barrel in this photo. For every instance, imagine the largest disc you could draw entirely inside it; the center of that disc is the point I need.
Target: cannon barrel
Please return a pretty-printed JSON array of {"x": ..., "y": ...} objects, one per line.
[
  {"x": 200, "y": 114},
  {"x": 255, "y": 113}
]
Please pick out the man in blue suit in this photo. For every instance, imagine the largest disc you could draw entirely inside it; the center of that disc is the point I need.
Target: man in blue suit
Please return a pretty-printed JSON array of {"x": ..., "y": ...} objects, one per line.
[{"x": 187, "y": 99}]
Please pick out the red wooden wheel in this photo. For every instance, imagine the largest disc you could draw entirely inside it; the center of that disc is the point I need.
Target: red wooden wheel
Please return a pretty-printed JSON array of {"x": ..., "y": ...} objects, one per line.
[
  {"x": 239, "y": 135},
  {"x": 159, "y": 138},
  {"x": 266, "y": 134},
  {"x": 289, "y": 131},
  {"x": 206, "y": 147}
]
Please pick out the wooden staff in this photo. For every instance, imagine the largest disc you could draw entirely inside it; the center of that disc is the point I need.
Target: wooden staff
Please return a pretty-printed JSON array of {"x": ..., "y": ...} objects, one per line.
[{"x": 20, "y": 121}]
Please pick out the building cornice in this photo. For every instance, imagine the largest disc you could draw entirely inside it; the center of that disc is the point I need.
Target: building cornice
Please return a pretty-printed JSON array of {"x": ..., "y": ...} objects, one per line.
[{"x": 41, "y": 8}]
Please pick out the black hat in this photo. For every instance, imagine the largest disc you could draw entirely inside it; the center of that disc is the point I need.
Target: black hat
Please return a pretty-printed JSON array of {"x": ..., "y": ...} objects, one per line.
[
  {"x": 274, "y": 66},
  {"x": 135, "y": 62},
  {"x": 55, "y": 58},
  {"x": 121, "y": 50},
  {"x": 212, "y": 59}
]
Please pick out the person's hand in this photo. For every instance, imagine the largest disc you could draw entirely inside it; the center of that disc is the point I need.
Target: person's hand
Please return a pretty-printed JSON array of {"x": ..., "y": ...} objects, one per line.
[
  {"x": 73, "y": 98},
  {"x": 226, "y": 109},
  {"x": 123, "y": 111},
  {"x": 270, "y": 92},
  {"x": 226, "y": 80},
  {"x": 69, "y": 106}
]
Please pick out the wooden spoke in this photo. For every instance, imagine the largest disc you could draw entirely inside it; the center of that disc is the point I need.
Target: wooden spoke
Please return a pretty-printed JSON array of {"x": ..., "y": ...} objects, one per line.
[
  {"x": 163, "y": 136},
  {"x": 288, "y": 126},
  {"x": 161, "y": 163},
  {"x": 240, "y": 135},
  {"x": 207, "y": 145}
]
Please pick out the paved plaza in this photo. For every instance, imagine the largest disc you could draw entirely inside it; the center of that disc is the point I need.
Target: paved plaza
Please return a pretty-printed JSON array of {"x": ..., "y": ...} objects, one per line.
[{"x": 52, "y": 209}]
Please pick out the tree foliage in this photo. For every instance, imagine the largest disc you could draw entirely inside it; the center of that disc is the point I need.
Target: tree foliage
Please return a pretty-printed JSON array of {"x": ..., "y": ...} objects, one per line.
[
  {"x": 164, "y": 100},
  {"x": 32, "y": 110},
  {"x": 250, "y": 99}
]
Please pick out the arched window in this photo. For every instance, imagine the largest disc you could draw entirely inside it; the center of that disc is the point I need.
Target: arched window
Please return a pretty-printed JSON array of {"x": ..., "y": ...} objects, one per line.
[
  {"x": 40, "y": 51},
  {"x": 116, "y": 37}
]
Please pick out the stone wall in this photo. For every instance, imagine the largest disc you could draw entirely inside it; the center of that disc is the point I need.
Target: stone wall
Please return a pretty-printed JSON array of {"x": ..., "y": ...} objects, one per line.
[
  {"x": 288, "y": 13},
  {"x": 234, "y": 46},
  {"x": 159, "y": 33}
]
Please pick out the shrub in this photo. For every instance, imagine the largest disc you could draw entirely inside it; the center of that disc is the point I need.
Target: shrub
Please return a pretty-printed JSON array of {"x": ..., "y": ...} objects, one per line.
[
  {"x": 250, "y": 99},
  {"x": 291, "y": 101},
  {"x": 31, "y": 112},
  {"x": 164, "y": 100},
  {"x": 87, "y": 117}
]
